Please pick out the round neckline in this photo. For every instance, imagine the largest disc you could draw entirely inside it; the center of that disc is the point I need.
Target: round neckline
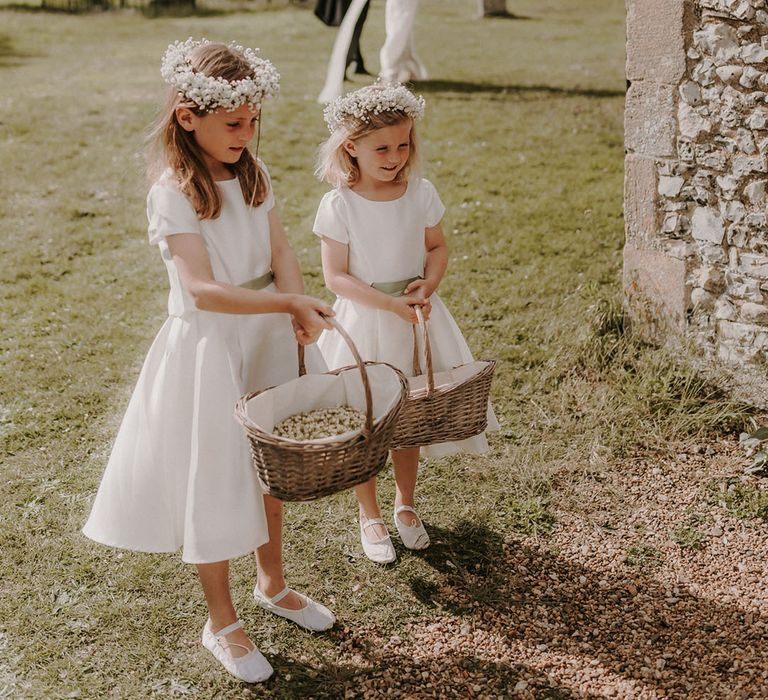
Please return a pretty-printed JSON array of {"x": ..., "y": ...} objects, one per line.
[{"x": 383, "y": 201}]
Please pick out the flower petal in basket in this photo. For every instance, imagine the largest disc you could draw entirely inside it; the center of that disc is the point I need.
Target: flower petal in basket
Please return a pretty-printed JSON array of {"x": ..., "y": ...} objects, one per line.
[{"x": 312, "y": 391}]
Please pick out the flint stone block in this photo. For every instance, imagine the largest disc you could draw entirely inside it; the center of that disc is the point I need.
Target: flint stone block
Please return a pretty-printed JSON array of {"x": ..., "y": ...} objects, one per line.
[
  {"x": 655, "y": 29},
  {"x": 707, "y": 225},
  {"x": 755, "y": 220},
  {"x": 755, "y": 313},
  {"x": 670, "y": 186},
  {"x": 655, "y": 289},
  {"x": 731, "y": 330},
  {"x": 702, "y": 300},
  {"x": 729, "y": 73},
  {"x": 717, "y": 38},
  {"x": 755, "y": 192},
  {"x": 724, "y": 310},
  {"x": 704, "y": 72},
  {"x": 755, "y": 266},
  {"x": 712, "y": 254},
  {"x": 758, "y": 119},
  {"x": 690, "y": 92},
  {"x": 743, "y": 165},
  {"x": 754, "y": 53},
  {"x": 712, "y": 279},
  {"x": 650, "y": 126},
  {"x": 691, "y": 123},
  {"x": 744, "y": 11},
  {"x": 733, "y": 211},
  {"x": 728, "y": 185},
  {"x": 749, "y": 77},
  {"x": 682, "y": 250}
]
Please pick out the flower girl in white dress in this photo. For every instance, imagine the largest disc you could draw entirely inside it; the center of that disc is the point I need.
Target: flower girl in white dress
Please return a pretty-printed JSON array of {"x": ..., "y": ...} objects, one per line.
[
  {"x": 180, "y": 474},
  {"x": 383, "y": 253}
]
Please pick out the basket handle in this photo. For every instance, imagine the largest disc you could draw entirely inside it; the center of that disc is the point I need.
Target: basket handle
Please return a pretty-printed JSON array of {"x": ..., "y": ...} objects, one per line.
[
  {"x": 360, "y": 365},
  {"x": 427, "y": 351}
]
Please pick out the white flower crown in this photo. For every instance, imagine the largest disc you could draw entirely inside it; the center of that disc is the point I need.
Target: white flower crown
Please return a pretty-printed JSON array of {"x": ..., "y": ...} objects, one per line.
[
  {"x": 373, "y": 99},
  {"x": 210, "y": 93}
]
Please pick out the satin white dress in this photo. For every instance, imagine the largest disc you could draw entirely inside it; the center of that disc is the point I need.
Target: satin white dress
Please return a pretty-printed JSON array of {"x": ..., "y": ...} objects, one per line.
[
  {"x": 180, "y": 473},
  {"x": 386, "y": 244}
]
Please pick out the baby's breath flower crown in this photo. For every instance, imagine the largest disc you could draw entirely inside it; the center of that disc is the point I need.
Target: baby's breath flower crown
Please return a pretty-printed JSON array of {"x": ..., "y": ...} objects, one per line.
[
  {"x": 373, "y": 99},
  {"x": 210, "y": 93}
]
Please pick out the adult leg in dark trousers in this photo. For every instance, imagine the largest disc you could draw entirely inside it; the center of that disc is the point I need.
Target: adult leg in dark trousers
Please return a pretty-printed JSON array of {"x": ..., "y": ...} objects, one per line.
[{"x": 354, "y": 55}]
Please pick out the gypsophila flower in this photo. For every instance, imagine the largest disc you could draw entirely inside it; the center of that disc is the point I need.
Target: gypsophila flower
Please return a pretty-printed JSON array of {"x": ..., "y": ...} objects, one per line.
[
  {"x": 210, "y": 93},
  {"x": 373, "y": 99},
  {"x": 320, "y": 423}
]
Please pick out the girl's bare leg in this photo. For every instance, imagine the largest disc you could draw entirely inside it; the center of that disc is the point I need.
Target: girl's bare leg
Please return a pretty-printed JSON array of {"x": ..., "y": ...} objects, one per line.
[
  {"x": 215, "y": 581},
  {"x": 406, "y": 469},
  {"x": 269, "y": 557},
  {"x": 369, "y": 508}
]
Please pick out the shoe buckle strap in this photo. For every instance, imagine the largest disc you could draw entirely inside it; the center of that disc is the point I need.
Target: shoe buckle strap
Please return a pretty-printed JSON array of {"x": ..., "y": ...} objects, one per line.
[
  {"x": 277, "y": 598},
  {"x": 224, "y": 631}
]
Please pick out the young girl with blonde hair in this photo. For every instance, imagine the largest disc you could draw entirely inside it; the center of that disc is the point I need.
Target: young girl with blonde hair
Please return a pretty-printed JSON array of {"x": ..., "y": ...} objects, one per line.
[
  {"x": 180, "y": 474},
  {"x": 384, "y": 253}
]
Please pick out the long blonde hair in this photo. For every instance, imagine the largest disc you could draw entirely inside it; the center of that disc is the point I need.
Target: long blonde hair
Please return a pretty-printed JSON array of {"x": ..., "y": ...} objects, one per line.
[
  {"x": 337, "y": 167},
  {"x": 173, "y": 147}
]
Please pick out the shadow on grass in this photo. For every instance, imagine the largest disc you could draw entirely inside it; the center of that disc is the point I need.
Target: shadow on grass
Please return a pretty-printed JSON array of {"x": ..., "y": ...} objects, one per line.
[
  {"x": 436, "y": 86},
  {"x": 10, "y": 56},
  {"x": 680, "y": 643}
]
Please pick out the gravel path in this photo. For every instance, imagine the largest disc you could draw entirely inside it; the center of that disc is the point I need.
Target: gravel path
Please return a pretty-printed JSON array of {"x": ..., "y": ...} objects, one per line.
[{"x": 659, "y": 591}]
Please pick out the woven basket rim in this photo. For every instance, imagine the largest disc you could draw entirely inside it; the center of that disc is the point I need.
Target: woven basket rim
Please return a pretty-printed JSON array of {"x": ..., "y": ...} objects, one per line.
[
  {"x": 241, "y": 413},
  {"x": 445, "y": 388}
]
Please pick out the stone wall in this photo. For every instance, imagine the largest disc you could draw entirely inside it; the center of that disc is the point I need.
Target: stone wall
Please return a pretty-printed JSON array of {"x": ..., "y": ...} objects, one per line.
[{"x": 696, "y": 171}]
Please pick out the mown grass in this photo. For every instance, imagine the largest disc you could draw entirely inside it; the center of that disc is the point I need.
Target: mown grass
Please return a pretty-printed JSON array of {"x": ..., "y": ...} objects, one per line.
[{"x": 523, "y": 136}]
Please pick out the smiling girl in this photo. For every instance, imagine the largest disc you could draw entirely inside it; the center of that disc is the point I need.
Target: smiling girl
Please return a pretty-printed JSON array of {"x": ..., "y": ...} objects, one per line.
[
  {"x": 384, "y": 253},
  {"x": 180, "y": 474}
]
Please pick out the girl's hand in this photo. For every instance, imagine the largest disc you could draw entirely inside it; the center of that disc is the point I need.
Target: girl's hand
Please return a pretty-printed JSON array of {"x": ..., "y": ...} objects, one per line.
[
  {"x": 403, "y": 307},
  {"x": 302, "y": 336},
  {"x": 306, "y": 319},
  {"x": 419, "y": 289}
]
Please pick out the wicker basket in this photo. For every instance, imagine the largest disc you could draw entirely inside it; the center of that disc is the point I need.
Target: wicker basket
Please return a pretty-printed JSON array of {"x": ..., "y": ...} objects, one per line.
[
  {"x": 294, "y": 470},
  {"x": 444, "y": 406}
]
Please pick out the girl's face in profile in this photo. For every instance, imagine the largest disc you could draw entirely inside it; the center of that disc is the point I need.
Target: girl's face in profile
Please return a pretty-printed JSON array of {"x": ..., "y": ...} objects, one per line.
[
  {"x": 383, "y": 153},
  {"x": 221, "y": 135}
]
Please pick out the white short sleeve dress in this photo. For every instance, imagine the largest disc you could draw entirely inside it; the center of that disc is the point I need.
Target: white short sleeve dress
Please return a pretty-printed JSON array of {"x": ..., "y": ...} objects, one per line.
[
  {"x": 387, "y": 244},
  {"x": 180, "y": 473}
]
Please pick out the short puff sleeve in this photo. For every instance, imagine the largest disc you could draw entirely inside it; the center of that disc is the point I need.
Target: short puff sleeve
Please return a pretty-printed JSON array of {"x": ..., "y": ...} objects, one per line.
[
  {"x": 169, "y": 212},
  {"x": 433, "y": 206},
  {"x": 331, "y": 218}
]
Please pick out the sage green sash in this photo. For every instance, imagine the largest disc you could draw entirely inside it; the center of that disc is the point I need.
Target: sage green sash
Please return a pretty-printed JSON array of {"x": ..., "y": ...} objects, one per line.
[
  {"x": 260, "y": 282},
  {"x": 394, "y": 289}
]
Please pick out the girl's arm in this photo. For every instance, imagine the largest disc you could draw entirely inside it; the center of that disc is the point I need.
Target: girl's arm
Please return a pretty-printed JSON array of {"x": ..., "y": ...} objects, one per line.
[
  {"x": 335, "y": 257},
  {"x": 285, "y": 265},
  {"x": 435, "y": 265},
  {"x": 285, "y": 268},
  {"x": 194, "y": 266}
]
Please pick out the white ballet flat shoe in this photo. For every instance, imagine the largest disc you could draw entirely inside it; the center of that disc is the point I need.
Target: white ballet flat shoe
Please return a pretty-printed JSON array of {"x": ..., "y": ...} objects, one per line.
[
  {"x": 251, "y": 668},
  {"x": 313, "y": 616},
  {"x": 381, "y": 551},
  {"x": 413, "y": 536}
]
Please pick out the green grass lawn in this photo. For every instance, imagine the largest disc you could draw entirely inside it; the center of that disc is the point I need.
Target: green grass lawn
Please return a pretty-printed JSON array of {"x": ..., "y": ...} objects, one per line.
[{"x": 523, "y": 136}]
